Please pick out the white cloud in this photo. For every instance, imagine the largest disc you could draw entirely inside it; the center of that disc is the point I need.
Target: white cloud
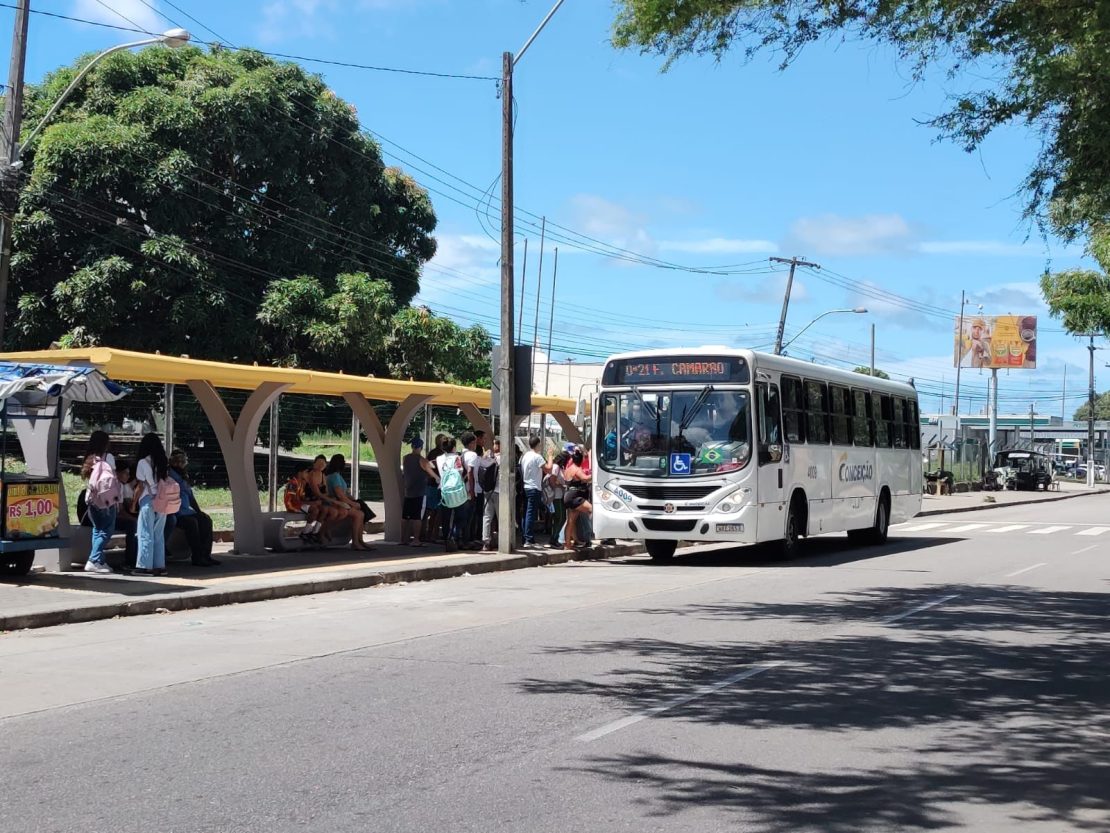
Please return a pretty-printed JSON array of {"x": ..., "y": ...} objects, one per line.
[
  {"x": 833, "y": 234},
  {"x": 463, "y": 264},
  {"x": 126, "y": 13},
  {"x": 289, "y": 19},
  {"x": 719, "y": 246}
]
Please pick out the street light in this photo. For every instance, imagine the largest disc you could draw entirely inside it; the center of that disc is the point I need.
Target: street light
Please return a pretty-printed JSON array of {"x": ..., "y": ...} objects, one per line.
[
  {"x": 856, "y": 310},
  {"x": 172, "y": 38}
]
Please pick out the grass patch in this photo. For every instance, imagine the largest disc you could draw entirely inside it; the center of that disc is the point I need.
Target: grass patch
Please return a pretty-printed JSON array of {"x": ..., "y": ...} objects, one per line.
[{"x": 321, "y": 442}]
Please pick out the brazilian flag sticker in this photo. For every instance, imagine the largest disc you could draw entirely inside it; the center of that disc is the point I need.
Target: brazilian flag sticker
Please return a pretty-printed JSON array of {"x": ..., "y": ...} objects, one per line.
[{"x": 711, "y": 456}]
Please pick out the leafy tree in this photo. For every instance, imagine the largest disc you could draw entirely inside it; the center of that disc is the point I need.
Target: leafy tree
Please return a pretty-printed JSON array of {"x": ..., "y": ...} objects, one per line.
[
  {"x": 866, "y": 371},
  {"x": 1102, "y": 408},
  {"x": 179, "y": 193},
  {"x": 1080, "y": 298},
  {"x": 1044, "y": 63}
]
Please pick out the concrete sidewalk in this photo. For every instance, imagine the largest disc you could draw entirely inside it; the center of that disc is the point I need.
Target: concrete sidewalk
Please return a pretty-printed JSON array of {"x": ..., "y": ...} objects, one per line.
[
  {"x": 974, "y": 501},
  {"x": 45, "y": 599}
]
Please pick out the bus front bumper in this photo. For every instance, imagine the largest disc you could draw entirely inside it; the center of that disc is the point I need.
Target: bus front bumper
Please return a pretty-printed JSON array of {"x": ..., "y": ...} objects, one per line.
[{"x": 738, "y": 526}]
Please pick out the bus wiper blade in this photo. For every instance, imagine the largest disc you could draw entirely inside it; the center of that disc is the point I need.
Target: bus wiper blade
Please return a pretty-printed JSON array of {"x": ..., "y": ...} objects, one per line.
[
  {"x": 650, "y": 410},
  {"x": 696, "y": 407}
]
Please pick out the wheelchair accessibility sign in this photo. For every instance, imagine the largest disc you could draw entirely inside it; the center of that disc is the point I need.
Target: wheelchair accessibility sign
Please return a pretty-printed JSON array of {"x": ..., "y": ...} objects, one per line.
[{"x": 681, "y": 464}]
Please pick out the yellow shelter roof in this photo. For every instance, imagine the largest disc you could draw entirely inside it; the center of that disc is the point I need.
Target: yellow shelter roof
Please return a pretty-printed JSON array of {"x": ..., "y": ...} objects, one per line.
[{"x": 132, "y": 366}]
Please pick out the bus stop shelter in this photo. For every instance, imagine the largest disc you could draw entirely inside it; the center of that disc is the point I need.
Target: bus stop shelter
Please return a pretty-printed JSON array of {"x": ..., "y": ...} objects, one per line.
[{"x": 237, "y": 436}]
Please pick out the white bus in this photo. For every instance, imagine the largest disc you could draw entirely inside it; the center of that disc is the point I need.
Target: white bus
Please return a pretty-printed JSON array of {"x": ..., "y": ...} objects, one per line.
[{"x": 719, "y": 444}]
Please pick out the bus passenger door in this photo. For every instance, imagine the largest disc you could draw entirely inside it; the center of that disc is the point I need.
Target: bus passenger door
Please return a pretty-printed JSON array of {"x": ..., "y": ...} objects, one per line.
[{"x": 770, "y": 488}]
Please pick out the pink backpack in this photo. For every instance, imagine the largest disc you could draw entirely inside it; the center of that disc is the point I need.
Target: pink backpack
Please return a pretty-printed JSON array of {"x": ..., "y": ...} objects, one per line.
[
  {"x": 168, "y": 499},
  {"x": 104, "y": 490}
]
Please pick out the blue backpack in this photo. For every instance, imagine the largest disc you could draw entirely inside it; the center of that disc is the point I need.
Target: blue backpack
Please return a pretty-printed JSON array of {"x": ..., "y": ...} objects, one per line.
[{"x": 452, "y": 486}]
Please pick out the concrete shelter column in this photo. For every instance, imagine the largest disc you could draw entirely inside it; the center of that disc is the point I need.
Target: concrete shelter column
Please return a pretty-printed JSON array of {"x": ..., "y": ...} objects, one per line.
[
  {"x": 237, "y": 440},
  {"x": 477, "y": 419},
  {"x": 386, "y": 442},
  {"x": 566, "y": 422}
]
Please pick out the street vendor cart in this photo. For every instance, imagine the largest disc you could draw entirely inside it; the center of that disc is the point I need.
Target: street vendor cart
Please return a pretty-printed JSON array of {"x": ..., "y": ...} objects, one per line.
[{"x": 33, "y": 403}]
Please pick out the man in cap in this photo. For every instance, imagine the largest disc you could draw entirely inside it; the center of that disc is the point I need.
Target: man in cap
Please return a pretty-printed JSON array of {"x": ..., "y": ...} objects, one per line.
[{"x": 415, "y": 474}]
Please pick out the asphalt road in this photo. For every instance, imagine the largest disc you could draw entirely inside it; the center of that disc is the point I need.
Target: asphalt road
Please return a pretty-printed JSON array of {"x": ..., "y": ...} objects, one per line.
[{"x": 956, "y": 678}]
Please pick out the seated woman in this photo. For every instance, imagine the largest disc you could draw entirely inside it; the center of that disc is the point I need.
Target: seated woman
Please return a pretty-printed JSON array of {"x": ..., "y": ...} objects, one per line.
[
  {"x": 196, "y": 525},
  {"x": 339, "y": 494}
]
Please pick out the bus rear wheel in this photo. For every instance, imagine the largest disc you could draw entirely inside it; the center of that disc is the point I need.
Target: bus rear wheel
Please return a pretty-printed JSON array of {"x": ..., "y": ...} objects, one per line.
[
  {"x": 876, "y": 534},
  {"x": 661, "y": 552}
]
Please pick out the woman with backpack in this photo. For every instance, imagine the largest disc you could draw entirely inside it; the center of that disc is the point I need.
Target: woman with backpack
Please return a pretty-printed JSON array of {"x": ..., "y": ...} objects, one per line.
[
  {"x": 102, "y": 499},
  {"x": 151, "y": 482},
  {"x": 454, "y": 491}
]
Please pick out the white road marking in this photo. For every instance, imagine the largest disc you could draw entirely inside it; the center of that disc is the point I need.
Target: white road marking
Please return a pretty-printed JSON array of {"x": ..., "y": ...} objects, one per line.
[
  {"x": 1047, "y": 530},
  {"x": 918, "y": 609},
  {"x": 1010, "y": 528},
  {"x": 966, "y": 527},
  {"x": 921, "y": 527},
  {"x": 1025, "y": 569},
  {"x": 1086, "y": 549},
  {"x": 632, "y": 719},
  {"x": 1094, "y": 530}
]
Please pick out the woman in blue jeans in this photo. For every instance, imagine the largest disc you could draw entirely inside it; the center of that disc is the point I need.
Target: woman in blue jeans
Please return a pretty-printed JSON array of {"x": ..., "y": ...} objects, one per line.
[
  {"x": 102, "y": 518},
  {"x": 152, "y": 468}
]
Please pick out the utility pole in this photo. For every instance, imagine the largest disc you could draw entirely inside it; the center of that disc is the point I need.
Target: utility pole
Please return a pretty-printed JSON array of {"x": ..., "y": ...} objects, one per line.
[
  {"x": 794, "y": 264},
  {"x": 1032, "y": 426},
  {"x": 992, "y": 431},
  {"x": 1064, "y": 396},
  {"x": 1091, "y": 417},
  {"x": 13, "y": 122},
  {"x": 872, "y": 351},
  {"x": 959, "y": 351},
  {"x": 506, "y": 481}
]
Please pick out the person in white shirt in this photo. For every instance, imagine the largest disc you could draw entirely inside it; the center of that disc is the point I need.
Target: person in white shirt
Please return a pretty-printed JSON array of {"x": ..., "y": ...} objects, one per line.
[
  {"x": 531, "y": 474},
  {"x": 489, "y": 511},
  {"x": 153, "y": 467}
]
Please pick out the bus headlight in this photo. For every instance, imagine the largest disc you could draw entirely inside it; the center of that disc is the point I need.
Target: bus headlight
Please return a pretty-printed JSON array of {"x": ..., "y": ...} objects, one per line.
[
  {"x": 734, "y": 501},
  {"x": 611, "y": 501}
]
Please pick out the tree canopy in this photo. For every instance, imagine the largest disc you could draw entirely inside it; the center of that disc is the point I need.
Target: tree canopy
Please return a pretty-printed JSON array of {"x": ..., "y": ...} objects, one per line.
[
  {"x": 223, "y": 205},
  {"x": 866, "y": 371},
  {"x": 1080, "y": 298},
  {"x": 1102, "y": 408},
  {"x": 1042, "y": 63}
]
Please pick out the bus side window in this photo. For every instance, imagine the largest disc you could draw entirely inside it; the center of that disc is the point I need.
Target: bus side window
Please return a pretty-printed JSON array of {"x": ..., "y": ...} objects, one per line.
[
  {"x": 793, "y": 409},
  {"x": 913, "y": 424},
  {"x": 841, "y": 428},
  {"x": 769, "y": 422},
  {"x": 861, "y": 428},
  {"x": 880, "y": 408},
  {"x": 898, "y": 423},
  {"x": 817, "y": 412}
]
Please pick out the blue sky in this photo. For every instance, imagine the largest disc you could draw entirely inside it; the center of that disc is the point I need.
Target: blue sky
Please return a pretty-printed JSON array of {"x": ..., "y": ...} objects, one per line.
[{"x": 705, "y": 165}]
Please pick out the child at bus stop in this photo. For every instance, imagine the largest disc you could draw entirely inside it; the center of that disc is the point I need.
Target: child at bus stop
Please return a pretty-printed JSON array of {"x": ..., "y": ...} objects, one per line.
[{"x": 297, "y": 500}]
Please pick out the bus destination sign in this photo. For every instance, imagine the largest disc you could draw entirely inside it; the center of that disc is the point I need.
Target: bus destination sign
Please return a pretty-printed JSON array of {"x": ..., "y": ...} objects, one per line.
[{"x": 676, "y": 370}]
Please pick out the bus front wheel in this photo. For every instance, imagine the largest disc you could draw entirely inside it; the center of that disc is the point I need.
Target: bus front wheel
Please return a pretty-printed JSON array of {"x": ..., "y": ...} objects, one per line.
[
  {"x": 661, "y": 552},
  {"x": 791, "y": 541}
]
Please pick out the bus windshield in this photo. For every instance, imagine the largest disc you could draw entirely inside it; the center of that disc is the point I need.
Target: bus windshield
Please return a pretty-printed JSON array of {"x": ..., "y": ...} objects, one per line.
[{"x": 641, "y": 431}]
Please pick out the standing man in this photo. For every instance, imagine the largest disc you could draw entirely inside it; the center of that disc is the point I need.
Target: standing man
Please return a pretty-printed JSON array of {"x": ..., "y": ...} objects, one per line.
[
  {"x": 478, "y": 517},
  {"x": 416, "y": 473},
  {"x": 489, "y": 471},
  {"x": 531, "y": 475}
]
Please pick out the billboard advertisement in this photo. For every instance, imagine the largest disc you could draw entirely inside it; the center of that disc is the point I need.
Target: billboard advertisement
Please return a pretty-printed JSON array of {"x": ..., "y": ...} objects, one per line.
[{"x": 995, "y": 341}]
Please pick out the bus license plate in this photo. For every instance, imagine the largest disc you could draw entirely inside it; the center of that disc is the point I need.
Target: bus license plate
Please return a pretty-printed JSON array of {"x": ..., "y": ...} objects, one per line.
[{"x": 730, "y": 527}]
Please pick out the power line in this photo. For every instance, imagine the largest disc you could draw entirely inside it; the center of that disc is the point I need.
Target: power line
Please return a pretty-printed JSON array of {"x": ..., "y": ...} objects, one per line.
[{"x": 308, "y": 59}]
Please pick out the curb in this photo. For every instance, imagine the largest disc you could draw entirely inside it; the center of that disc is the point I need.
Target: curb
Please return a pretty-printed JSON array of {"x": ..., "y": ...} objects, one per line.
[
  {"x": 309, "y": 587},
  {"x": 983, "y": 506}
]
